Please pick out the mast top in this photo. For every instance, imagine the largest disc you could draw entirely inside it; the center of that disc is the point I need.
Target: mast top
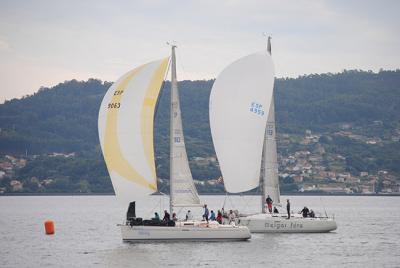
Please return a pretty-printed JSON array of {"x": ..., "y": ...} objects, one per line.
[
  {"x": 172, "y": 44},
  {"x": 269, "y": 48}
]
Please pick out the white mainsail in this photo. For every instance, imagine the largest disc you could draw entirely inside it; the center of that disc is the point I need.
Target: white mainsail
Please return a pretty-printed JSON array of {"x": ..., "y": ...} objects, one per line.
[
  {"x": 270, "y": 178},
  {"x": 183, "y": 192},
  {"x": 239, "y": 103},
  {"x": 125, "y": 125}
]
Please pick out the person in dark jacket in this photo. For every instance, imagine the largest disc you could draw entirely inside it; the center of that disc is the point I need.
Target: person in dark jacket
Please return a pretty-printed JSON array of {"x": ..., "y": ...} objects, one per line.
[
  {"x": 167, "y": 217},
  {"x": 288, "y": 208},
  {"x": 305, "y": 212},
  {"x": 312, "y": 214}
]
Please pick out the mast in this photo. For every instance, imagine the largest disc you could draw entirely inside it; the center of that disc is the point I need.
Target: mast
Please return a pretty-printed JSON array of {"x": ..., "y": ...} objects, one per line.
[
  {"x": 269, "y": 48},
  {"x": 262, "y": 171},
  {"x": 262, "y": 176},
  {"x": 270, "y": 180},
  {"x": 174, "y": 104}
]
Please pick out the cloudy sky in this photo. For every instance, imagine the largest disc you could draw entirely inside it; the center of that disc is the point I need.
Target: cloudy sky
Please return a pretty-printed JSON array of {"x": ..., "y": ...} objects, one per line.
[{"x": 43, "y": 43}]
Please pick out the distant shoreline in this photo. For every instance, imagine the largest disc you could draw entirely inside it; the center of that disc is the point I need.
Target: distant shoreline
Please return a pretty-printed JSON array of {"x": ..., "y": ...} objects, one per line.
[{"x": 220, "y": 194}]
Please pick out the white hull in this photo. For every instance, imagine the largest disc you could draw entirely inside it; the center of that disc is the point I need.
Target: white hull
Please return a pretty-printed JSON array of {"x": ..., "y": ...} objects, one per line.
[
  {"x": 270, "y": 223},
  {"x": 185, "y": 231}
]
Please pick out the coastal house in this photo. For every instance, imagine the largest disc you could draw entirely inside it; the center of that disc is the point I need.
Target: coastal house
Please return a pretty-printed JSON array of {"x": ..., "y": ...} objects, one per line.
[
  {"x": 16, "y": 185},
  {"x": 298, "y": 178},
  {"x": 335, "y": 189},
  {"x": 6, "y": 166}
]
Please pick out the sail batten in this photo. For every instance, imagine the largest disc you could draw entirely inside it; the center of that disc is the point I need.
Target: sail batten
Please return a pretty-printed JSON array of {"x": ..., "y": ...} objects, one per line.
[
  {"x": 239, "y": 103},
  {"x": 126, "y": 130}
]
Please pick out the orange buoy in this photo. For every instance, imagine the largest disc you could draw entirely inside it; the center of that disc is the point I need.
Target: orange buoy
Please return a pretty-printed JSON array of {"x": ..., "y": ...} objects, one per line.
[{"x": 49, "y": 227}]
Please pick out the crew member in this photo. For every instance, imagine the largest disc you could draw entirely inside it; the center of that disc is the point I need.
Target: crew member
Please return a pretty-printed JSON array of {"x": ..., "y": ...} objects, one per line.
[
  {"x": 212, "y": 216},
  {"x": 312, "y": 214},
  {"x": 189, "y": 216},
  {"x": 305, "y": 212},
  {"x": 167, "y": 217},
  {"x": 206, "y": 213},
  {"x": 156, "y": 217},
  {"x": 231, "y": 216},
  {"x": 269, "y": 203},
  {"x": 219, "y": 217}
]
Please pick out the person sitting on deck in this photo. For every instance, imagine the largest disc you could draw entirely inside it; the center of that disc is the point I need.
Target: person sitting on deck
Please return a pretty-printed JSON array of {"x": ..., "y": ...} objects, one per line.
[
  {"x": 189, "y": 216},
  {"x": 311, "y": 214},
  {"x": 174, "y": 218},
  {"x": 212, "y": 216},
  {"x": 305, "y": 212},
  {"x": 167, "y": 217},
  {"x": 231, "y": 216},
  {"x": 219, "y": 217},
  {"x": 156, "y": 217},
  {"x": 276, "y": 210}
]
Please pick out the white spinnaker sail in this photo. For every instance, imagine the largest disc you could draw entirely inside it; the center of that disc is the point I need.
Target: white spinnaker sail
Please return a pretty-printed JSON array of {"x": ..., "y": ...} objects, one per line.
[
  {"x": 239, "y": 105},
  {"x": 125, "y": 126},
  {"x": 183, "y": 191},
  {"x": 271, "y": 180}
]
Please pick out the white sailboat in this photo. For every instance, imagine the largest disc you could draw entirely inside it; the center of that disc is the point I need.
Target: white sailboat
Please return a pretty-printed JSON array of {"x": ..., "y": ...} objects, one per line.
[
  {"x": 126, "y": 121},
  {"x": 242, "y": 120}
]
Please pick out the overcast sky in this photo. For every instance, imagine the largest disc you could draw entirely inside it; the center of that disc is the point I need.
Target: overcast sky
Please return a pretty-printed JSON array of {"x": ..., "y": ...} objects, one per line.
[{"x": 43, "y": 43}]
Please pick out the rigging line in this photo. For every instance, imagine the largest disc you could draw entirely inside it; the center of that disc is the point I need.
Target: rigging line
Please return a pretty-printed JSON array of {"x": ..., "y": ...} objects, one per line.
[
  {"x": 246, "y": 204},
  {"x": 179, "y": 212},
  {"x": 326, "y": 214},
  {"x": 154, "y": 208},
  {"x": 180, "y": 67},
  {"x": 161, "y": 190},
  {"x": 223, "y": 205},
  {"x": 230, "y": 200}
]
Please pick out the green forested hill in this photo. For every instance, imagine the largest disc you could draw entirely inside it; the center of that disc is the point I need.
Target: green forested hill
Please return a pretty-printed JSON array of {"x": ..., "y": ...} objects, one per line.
[
  {"x": 317, "y": 101},
  {"x": 64, "y": 118},
  {"x": 58, "y": 119}
]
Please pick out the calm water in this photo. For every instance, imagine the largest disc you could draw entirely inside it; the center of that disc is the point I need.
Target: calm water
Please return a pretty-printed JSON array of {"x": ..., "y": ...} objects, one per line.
[{"x": 368, "y": 235}]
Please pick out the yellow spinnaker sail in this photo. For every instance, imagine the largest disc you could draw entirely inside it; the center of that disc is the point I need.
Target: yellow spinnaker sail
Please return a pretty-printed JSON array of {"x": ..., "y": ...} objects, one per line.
[{"x": 126, "y": 122}]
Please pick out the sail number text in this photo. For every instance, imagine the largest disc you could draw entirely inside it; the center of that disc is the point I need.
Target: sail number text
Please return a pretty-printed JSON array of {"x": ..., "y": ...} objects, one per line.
[
  {"x": 257, "y": 108},
  {"x": 114, "y": 105}
]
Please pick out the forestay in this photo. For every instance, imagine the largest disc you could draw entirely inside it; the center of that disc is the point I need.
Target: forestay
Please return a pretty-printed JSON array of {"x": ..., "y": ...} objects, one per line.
[
  {"x": 239, "y": 103},
  {"x": 125, "y": 126}
]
